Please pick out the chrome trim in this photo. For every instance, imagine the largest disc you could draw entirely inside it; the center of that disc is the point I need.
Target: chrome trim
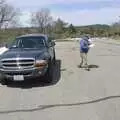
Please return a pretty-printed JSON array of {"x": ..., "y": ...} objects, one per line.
[
  {"x": 19, "y": 63},
  {"x": 4, "y": 70},
  {"x": 17, "y": 59},
  {"x": 19, "y": 68}
]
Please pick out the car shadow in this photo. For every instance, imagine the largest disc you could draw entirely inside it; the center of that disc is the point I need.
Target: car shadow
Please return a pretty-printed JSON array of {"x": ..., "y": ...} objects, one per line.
[{"x": 39, "y": 82}]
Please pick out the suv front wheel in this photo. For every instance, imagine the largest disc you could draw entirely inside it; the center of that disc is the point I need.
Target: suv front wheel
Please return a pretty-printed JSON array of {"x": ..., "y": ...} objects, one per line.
[
  {"x": 4, "y": 81},
  {"x": 49, "y": 74}
]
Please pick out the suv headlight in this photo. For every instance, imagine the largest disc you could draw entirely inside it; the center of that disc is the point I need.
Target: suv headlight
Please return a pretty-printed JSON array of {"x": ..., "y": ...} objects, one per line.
[{"x": 41, "y": 63}]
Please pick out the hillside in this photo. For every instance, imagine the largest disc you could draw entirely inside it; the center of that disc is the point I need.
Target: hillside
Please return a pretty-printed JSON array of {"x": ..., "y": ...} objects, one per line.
[{"x": 96, "y": 30}]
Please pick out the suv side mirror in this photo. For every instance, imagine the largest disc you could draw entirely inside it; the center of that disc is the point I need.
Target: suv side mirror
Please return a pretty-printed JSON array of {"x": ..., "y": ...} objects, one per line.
[
  {"x": 6, "y": 45},
  {"x": 51, "y": 44}
]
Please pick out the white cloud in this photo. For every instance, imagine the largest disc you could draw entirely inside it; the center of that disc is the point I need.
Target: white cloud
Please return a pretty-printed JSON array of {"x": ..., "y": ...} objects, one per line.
[
  {"x": 25, "y": 19},
  {"x": 76, "y": 1},
  {"x": 82, "y": 17},
  {"x": 86, "y": 17},
  {"x": 77, "y": 17}
]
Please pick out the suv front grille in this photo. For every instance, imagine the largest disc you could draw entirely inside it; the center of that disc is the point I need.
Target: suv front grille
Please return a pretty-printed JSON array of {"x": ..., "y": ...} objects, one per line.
[{"x": 18, "y": 63}]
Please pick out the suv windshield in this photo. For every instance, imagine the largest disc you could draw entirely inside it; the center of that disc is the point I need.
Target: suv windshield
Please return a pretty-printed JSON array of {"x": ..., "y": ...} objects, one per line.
[{"x": 29, "y": 42}]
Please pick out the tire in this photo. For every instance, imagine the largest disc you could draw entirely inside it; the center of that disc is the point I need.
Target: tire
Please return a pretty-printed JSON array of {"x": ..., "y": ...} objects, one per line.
[
  {"x": 49, "y": 74},
  {"x": 54, "y": 59},
  {"x": 4, "y": 81}
]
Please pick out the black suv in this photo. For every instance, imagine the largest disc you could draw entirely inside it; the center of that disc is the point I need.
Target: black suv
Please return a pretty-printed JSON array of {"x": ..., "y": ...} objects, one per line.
[{"x": 29, "y": 56}]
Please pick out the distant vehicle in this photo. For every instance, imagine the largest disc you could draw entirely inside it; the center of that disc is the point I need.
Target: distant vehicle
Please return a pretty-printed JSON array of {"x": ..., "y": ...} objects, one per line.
[{"x": 29, "y": 56}]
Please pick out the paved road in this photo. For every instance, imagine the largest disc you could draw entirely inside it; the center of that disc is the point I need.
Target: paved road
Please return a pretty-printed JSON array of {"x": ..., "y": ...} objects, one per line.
[{"x": 75, "y": 93}]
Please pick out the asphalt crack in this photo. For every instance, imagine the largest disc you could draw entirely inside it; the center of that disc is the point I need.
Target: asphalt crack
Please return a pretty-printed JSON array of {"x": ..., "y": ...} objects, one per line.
[{"x": 43, "y": 107}]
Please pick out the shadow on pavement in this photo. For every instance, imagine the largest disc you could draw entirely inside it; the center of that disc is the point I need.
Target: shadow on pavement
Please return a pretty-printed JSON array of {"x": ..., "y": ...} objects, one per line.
[
  {"x": 40, "y": 82},
  {"x": 93, "y": 66},
  {"x": 43, "y": 107},
  {"x": 89, "y": 66}
]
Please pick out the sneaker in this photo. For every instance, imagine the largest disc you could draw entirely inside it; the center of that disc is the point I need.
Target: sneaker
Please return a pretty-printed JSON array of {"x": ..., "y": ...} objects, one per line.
[
  {"x": 79, "y": 66},
  {"x": 88, "y": 69}
]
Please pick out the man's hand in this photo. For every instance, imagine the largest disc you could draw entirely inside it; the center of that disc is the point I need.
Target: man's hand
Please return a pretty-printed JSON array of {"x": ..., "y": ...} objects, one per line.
[{"x": 92, "y": 45}]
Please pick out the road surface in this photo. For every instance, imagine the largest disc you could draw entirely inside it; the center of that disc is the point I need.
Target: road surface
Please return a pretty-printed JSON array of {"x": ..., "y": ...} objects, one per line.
[{"x": 75, "y": 93}]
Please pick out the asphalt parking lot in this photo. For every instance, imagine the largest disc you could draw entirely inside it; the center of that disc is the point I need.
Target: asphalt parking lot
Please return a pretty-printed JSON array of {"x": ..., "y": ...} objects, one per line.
[{"x": 74, "y": 93}]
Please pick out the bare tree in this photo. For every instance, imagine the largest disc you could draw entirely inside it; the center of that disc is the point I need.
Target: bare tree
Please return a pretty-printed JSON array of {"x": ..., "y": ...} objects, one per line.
[
  {"x": 1, "y": 2},
  {"x": 8, "y": 13},
  {"x": 41, "y": 19}
]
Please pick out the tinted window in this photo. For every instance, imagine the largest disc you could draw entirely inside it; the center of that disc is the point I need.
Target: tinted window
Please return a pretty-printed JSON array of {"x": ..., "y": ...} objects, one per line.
[{"x": 29, "y": 42}]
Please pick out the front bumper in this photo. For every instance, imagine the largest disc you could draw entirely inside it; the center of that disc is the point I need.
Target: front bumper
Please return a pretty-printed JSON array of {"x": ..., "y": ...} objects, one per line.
[{"x": 25, "y": 73}]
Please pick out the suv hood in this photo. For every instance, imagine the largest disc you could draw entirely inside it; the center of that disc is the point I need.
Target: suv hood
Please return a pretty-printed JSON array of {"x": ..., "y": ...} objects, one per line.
[{"x": 23, "y": 53}]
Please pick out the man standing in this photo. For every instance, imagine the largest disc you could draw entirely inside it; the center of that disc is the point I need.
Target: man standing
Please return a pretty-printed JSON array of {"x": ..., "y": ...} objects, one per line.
[{"x": 84, "y": 48}]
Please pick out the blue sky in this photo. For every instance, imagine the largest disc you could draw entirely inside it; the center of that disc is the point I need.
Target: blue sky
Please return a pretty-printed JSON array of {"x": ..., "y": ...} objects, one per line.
[
  {"x": 93, "y": 5},
  {"x": 78, "y": 12}
]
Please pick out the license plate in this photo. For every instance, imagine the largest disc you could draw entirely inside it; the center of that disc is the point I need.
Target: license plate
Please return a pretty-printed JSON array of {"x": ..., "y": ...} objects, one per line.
[{"x": 18, "y": 77}]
